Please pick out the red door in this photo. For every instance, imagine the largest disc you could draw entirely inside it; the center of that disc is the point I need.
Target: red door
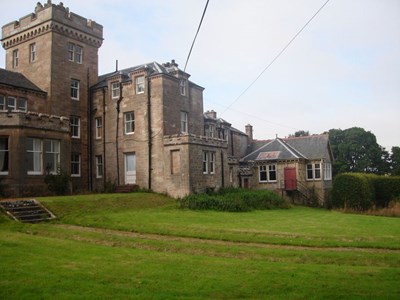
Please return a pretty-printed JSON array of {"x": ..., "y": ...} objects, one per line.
[
  {"x": 290, "y": 179},
  {"x": 246, "y": 183}
]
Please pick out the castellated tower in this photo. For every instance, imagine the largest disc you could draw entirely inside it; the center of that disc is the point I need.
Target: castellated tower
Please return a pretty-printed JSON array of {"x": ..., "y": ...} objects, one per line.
[{"x": 58, "y": 51}]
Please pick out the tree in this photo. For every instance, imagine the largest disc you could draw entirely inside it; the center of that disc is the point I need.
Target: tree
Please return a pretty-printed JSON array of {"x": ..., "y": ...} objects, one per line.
[
  {"x": 355, "y": 150},
  {"x": 395, "y": 161},
  {"x": 300, "y": 133}
]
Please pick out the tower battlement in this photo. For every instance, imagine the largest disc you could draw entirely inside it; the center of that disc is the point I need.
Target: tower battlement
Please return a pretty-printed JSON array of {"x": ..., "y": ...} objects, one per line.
[{"x": 52, "y": 17}]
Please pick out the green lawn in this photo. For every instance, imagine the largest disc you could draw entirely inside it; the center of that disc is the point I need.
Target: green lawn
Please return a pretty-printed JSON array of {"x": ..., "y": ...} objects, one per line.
[{"x": 141, "y": 246}]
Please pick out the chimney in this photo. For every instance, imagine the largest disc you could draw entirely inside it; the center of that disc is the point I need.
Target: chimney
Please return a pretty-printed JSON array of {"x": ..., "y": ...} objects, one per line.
[
  {"x": 249, "y": 131},
  {"x": 211, "y": 114}
]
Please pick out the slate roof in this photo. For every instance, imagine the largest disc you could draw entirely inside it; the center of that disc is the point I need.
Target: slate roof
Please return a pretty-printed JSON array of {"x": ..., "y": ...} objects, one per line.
[
  {"x": 154, "y": 68},
  {"x": 17, "y": 80},
  {"x": 308, "y": 147}
]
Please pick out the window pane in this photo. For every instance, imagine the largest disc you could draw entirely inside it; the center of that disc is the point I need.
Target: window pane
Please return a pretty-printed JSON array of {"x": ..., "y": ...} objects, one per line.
[
  {"x": 34, "y": 155},
  {"x": 2, "y": 102},
  {"x": 184, "y": 120},
  {"x": 22, "y": 104},
  {"x": 71, "y": 48},
  {"x": 115, "y": 89},
  {"x": 11, "y": 103},
  {"x": 309, "y": 171},
  {"x": 140, "y": 85},
  {"x": 263, "y": 173},
  {"x": 129, "y": 122},
  {"x": 78, "y": 54},
  {"x": 272, "y": 172},
  {"x": 3, "y": 155},
  {"x": 317, "y": 171},
  {"x": 74, "y": 89}
]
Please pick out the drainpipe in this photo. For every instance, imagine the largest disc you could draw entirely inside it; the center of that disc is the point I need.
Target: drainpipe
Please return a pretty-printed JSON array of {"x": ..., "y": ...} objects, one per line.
[
  {"x": 117, "y": 130},
  {"x": 89, "y": 131},
  {"x": 222, "y": 170},
  {"x": 104, "y": 138},
  {"x": 150, "y": 145}
]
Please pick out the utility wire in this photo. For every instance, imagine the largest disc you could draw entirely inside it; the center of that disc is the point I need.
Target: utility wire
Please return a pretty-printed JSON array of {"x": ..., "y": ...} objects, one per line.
[
  {"x": 276, "y": 57},
  {"x": 198, "y": 29}
]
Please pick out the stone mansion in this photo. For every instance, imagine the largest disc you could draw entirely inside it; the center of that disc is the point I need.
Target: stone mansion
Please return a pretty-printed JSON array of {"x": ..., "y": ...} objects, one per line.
[{"x": 142, "y": 126}]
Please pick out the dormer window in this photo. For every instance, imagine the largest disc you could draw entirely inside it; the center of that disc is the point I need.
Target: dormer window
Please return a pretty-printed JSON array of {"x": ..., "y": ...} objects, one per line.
[{"x": 182, "y": 87}]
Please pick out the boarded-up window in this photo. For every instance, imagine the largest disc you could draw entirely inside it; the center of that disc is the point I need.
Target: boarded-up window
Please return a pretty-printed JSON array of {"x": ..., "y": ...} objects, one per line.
[{"x": 175, "y": 162}]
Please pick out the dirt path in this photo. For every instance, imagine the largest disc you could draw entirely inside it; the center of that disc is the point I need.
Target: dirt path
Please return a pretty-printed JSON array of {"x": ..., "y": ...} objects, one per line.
[{"x": 192, "y": 240}]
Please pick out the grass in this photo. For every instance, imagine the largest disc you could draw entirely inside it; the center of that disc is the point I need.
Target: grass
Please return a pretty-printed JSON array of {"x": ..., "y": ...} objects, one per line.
[{"x": 142, "y": 246}]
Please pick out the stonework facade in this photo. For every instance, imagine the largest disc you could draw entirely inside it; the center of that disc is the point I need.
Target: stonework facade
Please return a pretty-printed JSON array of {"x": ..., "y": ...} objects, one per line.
[{"x": 142, "y": 126}]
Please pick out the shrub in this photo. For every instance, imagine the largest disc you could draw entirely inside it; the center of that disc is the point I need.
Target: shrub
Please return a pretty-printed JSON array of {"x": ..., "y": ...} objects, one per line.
[
  {"x": 386, "y": 189},
  {"x": 353, "y": 190},
  {"x": 234, "y": 200},
  {"x": 58, "y": 183}
]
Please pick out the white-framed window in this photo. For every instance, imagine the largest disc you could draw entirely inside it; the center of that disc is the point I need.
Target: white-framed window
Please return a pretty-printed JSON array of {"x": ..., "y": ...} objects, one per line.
[
  {"x": 129, "y": 121},
  {"x": 74, "y": 89},
  {"x": 75, "y": 165},
  {"x": 32, "y": 52},
  {"x": 71, "y": 50},
  {"x": 3, "y": 104},
  {"x": 78, "y": 54},
  {"x": 75, "y": 124},
  {"x": 182, "y": 87},
  {"x": 327, "y": 171},
  {"x": 271, "y": 173},
  {"x": 51, "y": 155},
  {"x": 212, "y": 162},
  {"x": 11, "y": 103},
  {"x": 140, "y": 85},
  {"x": 99, "y": 127},
  {"x": 34, "y": 156},
  {"x": 205, "y": 162},
  {"x": 75, "y": 53},
  {"x": 99, "y": 166},
  {"x": 209, "y": 162},
  {"x": 15, "y": 58},
  {"x": 313, "y": 171},
  {"x": 115, "y": 90},
  {"x": 210, "y": 130},
  {"x": 22, "y": 104},
  {"x": 267, "y": 173},
  {"x": 184, "y": 122},
  {"x": 262, "y": 173},
  {"x": 4, "y": 158}
]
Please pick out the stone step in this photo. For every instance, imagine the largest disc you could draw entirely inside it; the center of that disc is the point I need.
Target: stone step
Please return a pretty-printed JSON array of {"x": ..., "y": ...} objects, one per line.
[
  {"x": 26, "y": 210},
  {"x": 125, "y": 188}
]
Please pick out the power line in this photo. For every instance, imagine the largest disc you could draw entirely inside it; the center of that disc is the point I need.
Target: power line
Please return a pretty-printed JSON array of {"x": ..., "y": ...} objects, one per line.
[
  {"x": 198, "y": 29},
  {"x": 276, "y": 57},
  {"x": 258, "y": 117}
]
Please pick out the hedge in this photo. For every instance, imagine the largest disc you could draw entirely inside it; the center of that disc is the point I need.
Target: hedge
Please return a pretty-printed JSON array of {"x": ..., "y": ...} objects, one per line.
[
  {"x": 353, "y": 190},
  {"x": 234, "y": 200},
  {"x": 386, "y": 189},
  {"x": 362, "y": 191}
]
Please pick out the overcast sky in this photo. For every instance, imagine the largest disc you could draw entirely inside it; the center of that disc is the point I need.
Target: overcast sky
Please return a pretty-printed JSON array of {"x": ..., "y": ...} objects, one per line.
[{"x": 342, "y": 71}]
